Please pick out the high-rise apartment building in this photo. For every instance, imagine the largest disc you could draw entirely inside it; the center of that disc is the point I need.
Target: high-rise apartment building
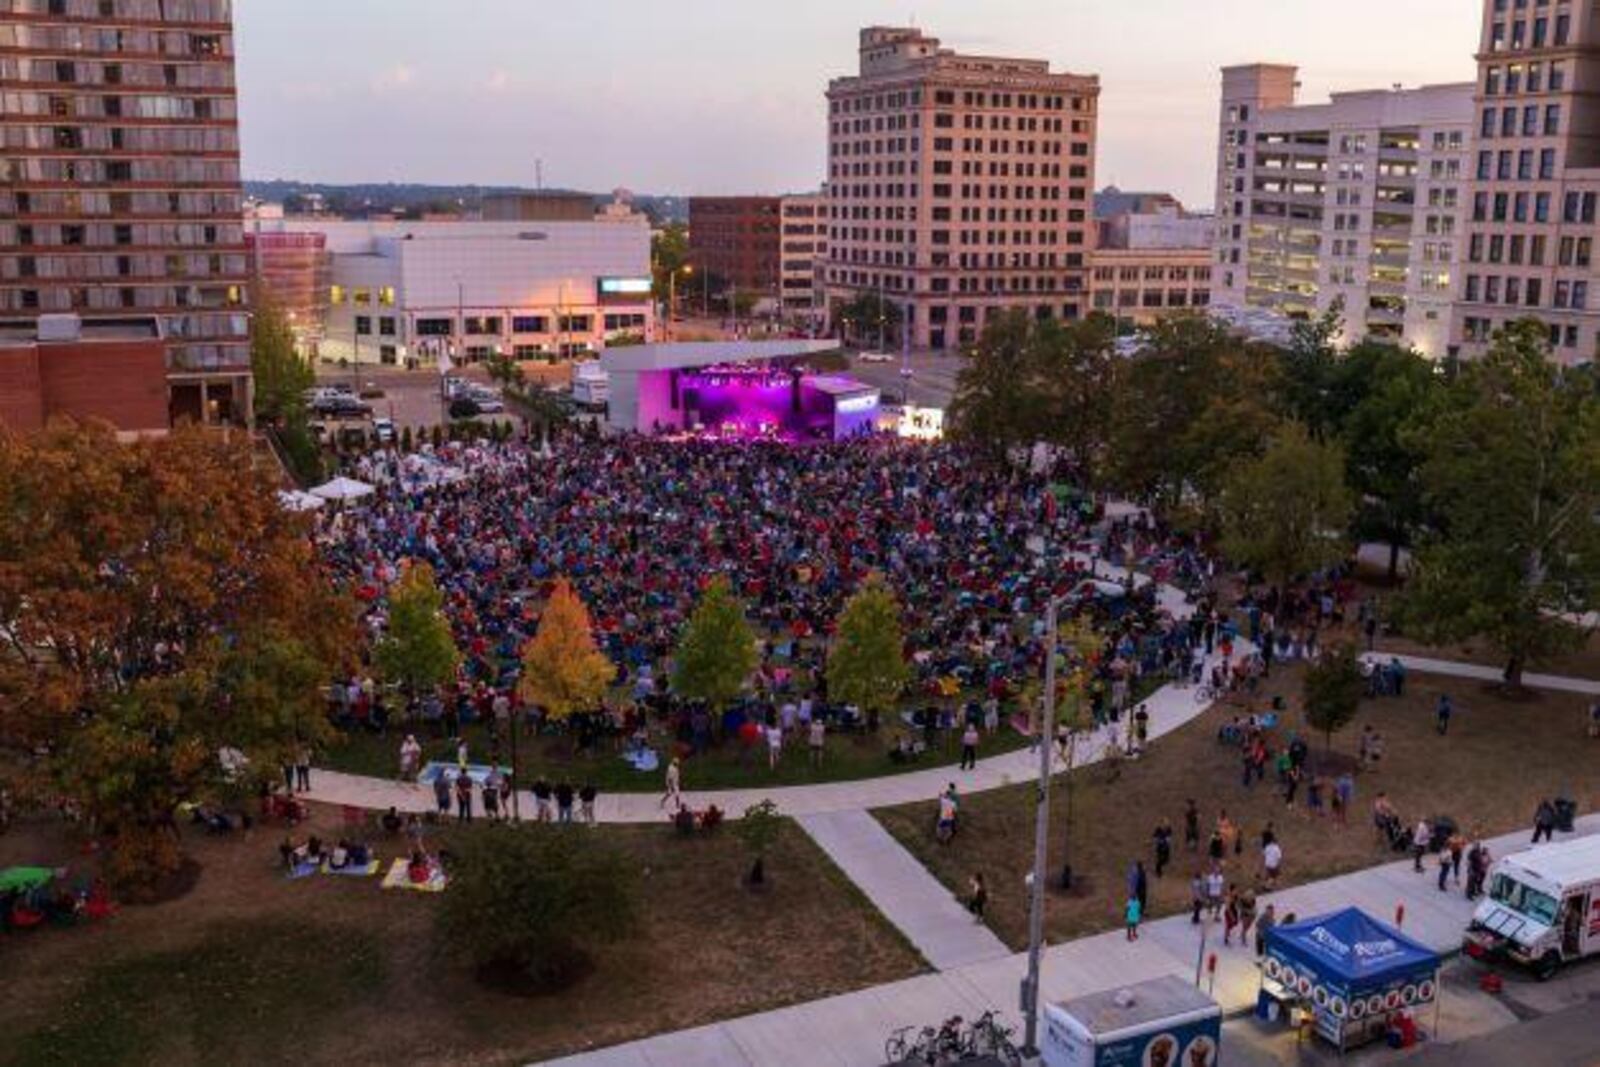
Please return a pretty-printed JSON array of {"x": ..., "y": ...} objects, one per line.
[
  {"x": 1529, "y": 248},
  {"x": 1360, "y": 200},
  {"x": 958, "y": 185},
  {"x": 119, "y": 182}
]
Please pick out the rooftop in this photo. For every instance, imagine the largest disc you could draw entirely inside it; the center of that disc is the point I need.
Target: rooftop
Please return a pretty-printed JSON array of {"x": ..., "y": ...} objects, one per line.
[{"x": 687, "y": 355}]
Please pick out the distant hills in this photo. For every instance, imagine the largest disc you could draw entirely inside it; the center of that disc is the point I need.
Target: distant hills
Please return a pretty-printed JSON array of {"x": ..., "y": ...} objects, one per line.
[{"x": 415, "y": 197}]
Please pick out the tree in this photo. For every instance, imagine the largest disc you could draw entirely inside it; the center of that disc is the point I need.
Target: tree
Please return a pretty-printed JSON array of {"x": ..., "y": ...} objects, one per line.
[
  {"x": 281, "y": 375},
  {"x": 995, "y": 407},
  {"x": 867, "y": 665},
  {"x": 717, "y": 651},
  {"x": 867, "y": 316},
  {"x": 505, "y": 370},
  {"x": 1285, "y": 513},
  {"x": 1185, "y": 408},
  {"x": 540, "y": 408},
  {"x": 1332, "y": 688},
  {"x": 562, "y": 669},
  {"x": 1310, "y": 365},
  {"x": 1073, "y": 364},
  {"x": 1382, "y": 460},
  {"x": 759, "y": 830},
  {"x": 669, "y": 253},
  {"x": 417, "y": 650},
  {"x": 524, "y": 903},
  {"x": 157, "y": 606},
  {"x": 1512, "y": 470}
]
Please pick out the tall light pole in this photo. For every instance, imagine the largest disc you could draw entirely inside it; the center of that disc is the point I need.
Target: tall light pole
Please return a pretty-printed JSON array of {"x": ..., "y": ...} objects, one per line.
[{"x": 1041, "y": 831}]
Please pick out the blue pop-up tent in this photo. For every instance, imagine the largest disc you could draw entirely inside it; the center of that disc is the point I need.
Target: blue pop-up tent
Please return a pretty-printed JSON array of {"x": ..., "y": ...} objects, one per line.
[{"x": 1353, "y": 970}]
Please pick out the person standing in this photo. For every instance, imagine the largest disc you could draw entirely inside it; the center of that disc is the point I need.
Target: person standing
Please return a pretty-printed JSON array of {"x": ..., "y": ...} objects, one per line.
[
  {"x": 463, "y": 797},
  {"x": 542, "y": 794},
  {"x": 441, "y": 792},
  {"x": 1197, "y": 897},
  {"x": 1264, "y": 925},
  {"x": 1444, "y": 869},
  {"x": 817, "y": 734},
  {"x": 491, "y": 795},
  {"x": 1163, "y": 844},
  {"x": 1132, "y": 912},
  {"x": 564, "y": 796},
  {"x": 302, "y": 767},
  {"x": 586, "y": 797},
  {"x": 1141, "y": 885},
  {"x": 674, "y": 785},
  {"x": 1421, "y": 838},
  {"x": 1191, "y": 825},
  {"x": 774, "y": 745},
  {"x": 969, "y": 747},
  {"x": 1457, "y": 845},
  {"x": 1272, "y": 861},
  {"x": 410, "y": 758},
  {"x": 978, "y": 896},
  {"x": 1442, "y": 712},
  {"x": 1544, "y": 821}
]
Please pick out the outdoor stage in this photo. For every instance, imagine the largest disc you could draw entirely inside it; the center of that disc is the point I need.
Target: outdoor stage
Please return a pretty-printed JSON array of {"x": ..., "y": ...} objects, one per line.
[{"x": 743, "y": 390}]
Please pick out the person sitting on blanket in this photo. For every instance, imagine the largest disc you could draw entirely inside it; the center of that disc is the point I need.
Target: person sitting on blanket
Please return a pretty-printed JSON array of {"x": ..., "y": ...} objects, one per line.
[
  {"x": 421, "y": 868},
  {"x": 339, "y": 858}
]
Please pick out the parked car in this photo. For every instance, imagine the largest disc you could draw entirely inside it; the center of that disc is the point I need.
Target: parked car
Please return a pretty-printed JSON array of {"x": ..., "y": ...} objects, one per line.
[
  {"x": 464, "y": 407},
  {"x": 340, "y": 407},
  {"x": 383, "y": 430}
]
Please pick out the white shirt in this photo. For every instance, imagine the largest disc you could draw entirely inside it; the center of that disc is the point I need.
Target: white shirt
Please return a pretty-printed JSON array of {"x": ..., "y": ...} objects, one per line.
[{"x": 1273, "y": 855}]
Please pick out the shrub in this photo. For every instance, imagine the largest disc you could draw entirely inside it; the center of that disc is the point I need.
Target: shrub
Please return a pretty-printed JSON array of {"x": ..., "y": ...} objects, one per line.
[{"x": 523, "y": 904}]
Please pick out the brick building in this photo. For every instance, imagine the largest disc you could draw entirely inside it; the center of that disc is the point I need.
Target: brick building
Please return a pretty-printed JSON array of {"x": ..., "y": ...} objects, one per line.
[
  {"x": 737, "y": 240},
  {"x": 102, "y": 369}
]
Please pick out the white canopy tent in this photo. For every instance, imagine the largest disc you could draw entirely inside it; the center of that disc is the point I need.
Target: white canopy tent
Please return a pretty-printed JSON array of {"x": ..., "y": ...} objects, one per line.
[
  {"x": 342, "y": 488},
  {"x": 295, "y": 500}
]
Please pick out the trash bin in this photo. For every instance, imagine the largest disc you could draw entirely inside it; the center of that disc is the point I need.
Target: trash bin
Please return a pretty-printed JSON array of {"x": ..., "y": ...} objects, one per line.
[{"x": 1566, "y": 811}]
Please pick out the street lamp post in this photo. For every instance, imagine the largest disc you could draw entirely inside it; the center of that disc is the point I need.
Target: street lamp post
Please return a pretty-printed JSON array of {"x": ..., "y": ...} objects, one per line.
[{"x": 1041, "y": 831}]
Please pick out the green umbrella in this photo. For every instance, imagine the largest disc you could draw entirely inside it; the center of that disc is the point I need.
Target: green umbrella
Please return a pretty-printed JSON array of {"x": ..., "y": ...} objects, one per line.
[{"x": 23, "y": 878}]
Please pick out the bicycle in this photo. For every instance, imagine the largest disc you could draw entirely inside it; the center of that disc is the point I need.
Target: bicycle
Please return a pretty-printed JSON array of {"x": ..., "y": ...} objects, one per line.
[
  {"x": 989, "y": 1037},
  {"x": 899, "y": 1049}
]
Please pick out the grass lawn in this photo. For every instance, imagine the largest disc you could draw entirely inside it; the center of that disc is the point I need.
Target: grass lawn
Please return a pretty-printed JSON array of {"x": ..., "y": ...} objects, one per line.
[
  {"x": 251, "y": 968},
  {"x": 728, "y": 766},
  {"x": 1499, "y": 759}
]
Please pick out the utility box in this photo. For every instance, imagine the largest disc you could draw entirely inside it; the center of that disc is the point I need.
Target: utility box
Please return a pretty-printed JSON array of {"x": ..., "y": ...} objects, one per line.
[{"x": 1165, "y": 1022}]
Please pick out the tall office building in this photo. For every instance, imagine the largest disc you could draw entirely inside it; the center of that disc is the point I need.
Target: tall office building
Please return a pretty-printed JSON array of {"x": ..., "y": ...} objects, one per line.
[
  {"x": 958, "y": 185},
  {"x": 1535, "y": 178},
  {"x": 804, "y": 247},
  {"x": 119, "y": 182},
  {"x": 1360, "y": 200},
  {"x": 736, "y": 240}
]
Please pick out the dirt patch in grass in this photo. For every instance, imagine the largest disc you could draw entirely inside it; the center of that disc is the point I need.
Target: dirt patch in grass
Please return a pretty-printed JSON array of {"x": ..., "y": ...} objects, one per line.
[
  {"x": 1489, "y": 773},
  {"x": 252, "y": 968}
]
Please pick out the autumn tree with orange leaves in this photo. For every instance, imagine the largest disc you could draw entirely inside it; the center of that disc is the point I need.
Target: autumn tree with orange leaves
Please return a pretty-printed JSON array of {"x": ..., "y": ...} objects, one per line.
[
  {"x": 562, "y": 670},
  {"x": 157, "y": 606}
]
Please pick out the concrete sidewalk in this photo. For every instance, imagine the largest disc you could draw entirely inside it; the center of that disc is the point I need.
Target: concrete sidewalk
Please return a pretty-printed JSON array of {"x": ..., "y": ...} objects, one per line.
[
  {"x": 850, "y": 1030},
  {"x": 1478, "y": 672},
  {"x": 903, "y": 890}
]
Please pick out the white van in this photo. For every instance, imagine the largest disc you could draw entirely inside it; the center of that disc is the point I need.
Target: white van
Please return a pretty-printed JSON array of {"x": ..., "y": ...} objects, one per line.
[{"x": 1541, "y": 908}]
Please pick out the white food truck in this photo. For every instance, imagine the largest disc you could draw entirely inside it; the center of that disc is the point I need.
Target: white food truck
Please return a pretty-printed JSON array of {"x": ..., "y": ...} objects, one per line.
[{"x": 1541, "y": 907}]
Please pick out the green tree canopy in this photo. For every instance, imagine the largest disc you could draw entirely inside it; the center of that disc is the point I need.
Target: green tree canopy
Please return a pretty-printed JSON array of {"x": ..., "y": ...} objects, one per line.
[
  {"x": 1285, "y": 513},
  {"x": 866, "y": 665},
  {"x": 1332, "y": 688},
  {"x": 1512, "y": 470},
  {"x": 995, "y": 407},
  {"x": 281, "y": 375},
  {"x": 859, "y": 317},
  {"x": 717, "y": 651},
  {"x": 530, "y": 899},
  {"x": 417, "y": 650}
]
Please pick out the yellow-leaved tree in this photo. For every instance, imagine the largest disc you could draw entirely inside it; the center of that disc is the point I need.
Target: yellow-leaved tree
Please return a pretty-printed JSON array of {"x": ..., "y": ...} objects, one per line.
[{"x": 562, "y": 669}]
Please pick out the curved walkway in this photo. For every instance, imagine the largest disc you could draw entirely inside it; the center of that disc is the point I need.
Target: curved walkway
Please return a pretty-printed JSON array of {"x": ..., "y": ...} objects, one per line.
[
  {"x": 1478, "y": 672},
  {"x": 1170, "y": 707}
]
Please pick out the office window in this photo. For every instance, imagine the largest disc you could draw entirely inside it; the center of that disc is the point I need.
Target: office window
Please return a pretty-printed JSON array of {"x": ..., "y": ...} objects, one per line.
[
  {"x": 1552, "y": 119},
  {"x": 1547, "y": 163},
  {"x": 386, "y": 326},
  {"x": 363, "y": 325},
  {"x": 435, "y": 328}
]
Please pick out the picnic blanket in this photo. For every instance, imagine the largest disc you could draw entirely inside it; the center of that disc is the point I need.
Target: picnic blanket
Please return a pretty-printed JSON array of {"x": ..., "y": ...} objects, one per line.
[
  {"x": 371, "y": 868},
  {"x": 644, "y": 759},
  {"x": 304, "y": 869},
  {"x": 398, "y": 878},
  {"x": 475, "y": 771}
]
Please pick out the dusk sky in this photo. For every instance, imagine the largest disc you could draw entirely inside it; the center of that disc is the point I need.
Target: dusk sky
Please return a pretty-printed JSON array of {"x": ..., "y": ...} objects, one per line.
[{"x": 725, "y": 96}]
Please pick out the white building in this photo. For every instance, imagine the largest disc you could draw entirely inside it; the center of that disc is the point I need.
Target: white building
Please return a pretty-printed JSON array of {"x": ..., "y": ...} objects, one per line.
[
  {"x": 404, "y": 291},
  {"x": 803, "y": 225},
  {"x": 1360, "y": 199}
]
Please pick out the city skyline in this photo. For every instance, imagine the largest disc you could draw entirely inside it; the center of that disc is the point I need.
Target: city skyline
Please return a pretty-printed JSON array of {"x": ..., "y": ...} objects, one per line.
[{"x": 749, "y": 88}]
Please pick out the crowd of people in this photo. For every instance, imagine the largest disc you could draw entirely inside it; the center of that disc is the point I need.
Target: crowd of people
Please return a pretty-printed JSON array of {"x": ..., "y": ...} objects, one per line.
[{"x": 640, "y": 525}]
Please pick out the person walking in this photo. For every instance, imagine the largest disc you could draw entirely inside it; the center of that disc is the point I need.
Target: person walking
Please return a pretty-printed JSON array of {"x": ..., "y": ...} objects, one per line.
[
  {"x": 1544, "y": 821},
  {"x": 977, "y": 896},
  {"x": 1272, "y": 862},
  {"x": 1230, "y": 914},
  {"x": 1444, "y": 869},
  {"x": 1457, "y": 845},
  {"x": 674, "y": 785},
  {"x": 1197, "y": 897},
  {"x": 1442, "y": 712},
  {"x": 1421, "y": 838},
  {"x": 969, "y": 747}
]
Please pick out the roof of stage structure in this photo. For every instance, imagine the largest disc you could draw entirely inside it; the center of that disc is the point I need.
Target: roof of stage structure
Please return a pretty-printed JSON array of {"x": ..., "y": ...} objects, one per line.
[{"x": 689, "y": 355}]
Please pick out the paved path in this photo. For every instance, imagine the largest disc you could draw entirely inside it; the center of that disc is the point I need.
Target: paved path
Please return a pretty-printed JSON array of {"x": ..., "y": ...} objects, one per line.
[
  {"x": 1479, "y": 672},
  {"x": 903, "y": 890},
  {"x": 1170, "y": 707},
  {"x": 849, "y": 1030}
]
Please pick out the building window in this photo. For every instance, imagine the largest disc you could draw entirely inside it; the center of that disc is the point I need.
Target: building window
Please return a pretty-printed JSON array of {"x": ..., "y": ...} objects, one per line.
[
  {"x": 336, "y": 295},
  {"x": 386, "y": 296},
  {"x": 528, "y": 324},
  {"x": 363, "y": 325},
  {"x": 435, "y": 328},
  {"x": 386, "y": 326}
]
